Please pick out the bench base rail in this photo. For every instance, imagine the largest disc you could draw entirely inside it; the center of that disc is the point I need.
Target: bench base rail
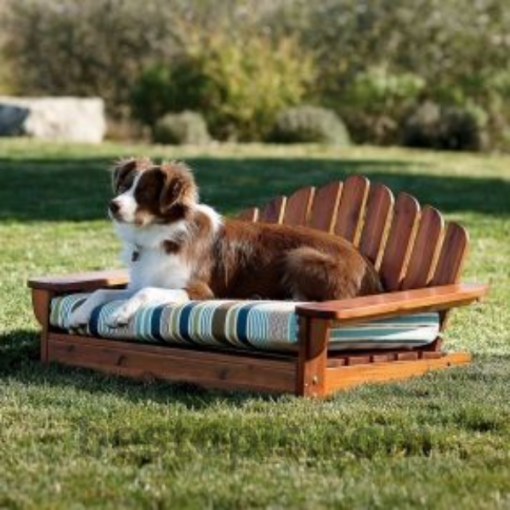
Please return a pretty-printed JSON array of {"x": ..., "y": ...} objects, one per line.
[{"x": 232, "y": 371}]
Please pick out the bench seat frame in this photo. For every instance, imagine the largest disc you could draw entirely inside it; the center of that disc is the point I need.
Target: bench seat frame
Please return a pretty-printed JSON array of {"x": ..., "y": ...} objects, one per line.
[
  {"x": 312, "y": 371},
  {"x": 419, "y": 259}
]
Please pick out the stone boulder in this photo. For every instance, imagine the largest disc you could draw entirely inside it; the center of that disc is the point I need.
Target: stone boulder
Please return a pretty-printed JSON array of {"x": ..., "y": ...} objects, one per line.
[{"x": 70, "y": 119}]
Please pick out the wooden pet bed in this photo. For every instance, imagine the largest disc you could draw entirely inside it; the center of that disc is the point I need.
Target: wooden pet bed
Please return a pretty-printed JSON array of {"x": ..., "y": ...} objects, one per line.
[{"x": 418, "y": 257}]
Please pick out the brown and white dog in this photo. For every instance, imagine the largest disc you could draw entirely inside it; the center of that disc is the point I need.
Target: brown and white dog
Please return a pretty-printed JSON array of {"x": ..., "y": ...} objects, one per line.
[{"x": 178, "y": 249}]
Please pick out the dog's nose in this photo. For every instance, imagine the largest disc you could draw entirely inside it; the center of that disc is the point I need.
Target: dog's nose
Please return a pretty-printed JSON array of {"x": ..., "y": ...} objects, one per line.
[{"x": 114, "y": 207}]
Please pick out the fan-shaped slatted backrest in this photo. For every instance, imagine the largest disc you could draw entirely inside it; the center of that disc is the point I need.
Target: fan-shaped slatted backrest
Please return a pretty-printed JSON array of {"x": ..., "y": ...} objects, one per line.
[{"x": 410, "y": 246}]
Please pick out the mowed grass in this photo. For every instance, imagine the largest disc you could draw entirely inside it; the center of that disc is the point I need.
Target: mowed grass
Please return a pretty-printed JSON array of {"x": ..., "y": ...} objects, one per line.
[{"x": 71, "y": 438}]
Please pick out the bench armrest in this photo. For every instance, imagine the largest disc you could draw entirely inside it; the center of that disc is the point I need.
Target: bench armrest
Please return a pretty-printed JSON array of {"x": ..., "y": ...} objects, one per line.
[
  {"x": 391, "y": 304},
  {"x": 81, "y": 281}
]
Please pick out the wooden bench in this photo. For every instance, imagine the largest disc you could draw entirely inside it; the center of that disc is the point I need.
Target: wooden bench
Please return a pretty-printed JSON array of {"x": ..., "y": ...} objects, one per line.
[{"x": 418, "y": 256}]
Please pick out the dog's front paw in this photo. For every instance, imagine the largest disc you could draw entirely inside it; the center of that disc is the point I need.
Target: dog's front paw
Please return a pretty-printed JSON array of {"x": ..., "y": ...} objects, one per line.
[
  {"x": 119, "y": 318},
  {"x": 79, "y": 318}
]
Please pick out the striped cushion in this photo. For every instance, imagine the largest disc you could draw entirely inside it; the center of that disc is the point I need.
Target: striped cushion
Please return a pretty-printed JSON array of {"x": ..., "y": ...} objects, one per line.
[{"x": 265, "y": 325}]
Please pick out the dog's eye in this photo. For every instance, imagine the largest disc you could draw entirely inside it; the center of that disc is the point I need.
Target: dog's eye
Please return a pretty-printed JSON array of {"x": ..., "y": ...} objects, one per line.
[{"x": 122, "y": 188}]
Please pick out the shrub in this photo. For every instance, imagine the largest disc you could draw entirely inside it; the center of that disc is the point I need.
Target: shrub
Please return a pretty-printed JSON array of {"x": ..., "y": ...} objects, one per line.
[
  {"x": 376, "y": 101},
  {"x": 238, "y": 85},
  {"x": 446, "y": 128},
  {"x": 181, "y": 129},
  {"x": 100, "y": 47},
  {"x": 309, "y": 124},
  {"x": 455, "y": 49},
  {"x": 151, "y": 95}
]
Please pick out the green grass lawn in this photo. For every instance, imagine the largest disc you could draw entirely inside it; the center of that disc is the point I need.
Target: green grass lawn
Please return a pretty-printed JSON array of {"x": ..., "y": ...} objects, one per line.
[{"x": 71, "y": 438}]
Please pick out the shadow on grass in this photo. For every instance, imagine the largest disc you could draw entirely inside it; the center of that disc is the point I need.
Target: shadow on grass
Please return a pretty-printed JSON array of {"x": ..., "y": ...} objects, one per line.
[
  {"x": 19, "y": 361},
  {"x": 78, "y": 189}
]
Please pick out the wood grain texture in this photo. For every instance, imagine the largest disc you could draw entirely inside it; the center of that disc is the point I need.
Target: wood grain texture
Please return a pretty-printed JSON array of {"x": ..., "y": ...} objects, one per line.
[
  {"x": 325, "y": 207},
  {"x": 351, "y": 208},
  {"x": 41, "y": 304},
  {"x": 347, "y": 358},
  {"x": 41, "y": 300},
  {"x": 452, "y": 256},
  {"x": 273, "y": 212},
  {"x": 343, "y": 377},
  {"x": 400, "y": 241},
  {"x": 425, "y": 250},
  {"x": 312, "y": 361},
  {"x": 395, "y": 303},
  {"x": 379, "y": 209},
  {"x": 180, "y": 365},
  {"x": 298, "y": 206},
  {"x": 251, "y": 214},
  {"x": 80, "y": 281}
]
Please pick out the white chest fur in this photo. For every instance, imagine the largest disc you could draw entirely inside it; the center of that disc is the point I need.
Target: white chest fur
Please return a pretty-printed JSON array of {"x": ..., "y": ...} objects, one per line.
[{"x": 153, "y": 267}]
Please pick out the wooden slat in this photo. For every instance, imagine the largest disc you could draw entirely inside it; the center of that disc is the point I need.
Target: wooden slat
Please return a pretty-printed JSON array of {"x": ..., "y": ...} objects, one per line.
[
  {"x": 452, "y": 255},
  {"x": 80, "y": 281},
  {"x": 193, "y": 353},
  {"x": 351, "y": 208},
  {"x": 249, "y": 214},
  {"x": 273, "y": 212},
  {"x": 400, "y": 241},
  {"x": 377, "y": 218},
  {"x": 360, "y": 359},
  {"x": 425, "y": 250},
  {"x": 338, "y": 359},
  {"x": 298, "y": 206},
  {"x": 407, "y": 356},
  {"x": 325, "y": 207},
  {"x": 153, "y": 362},
  {"x": 344, "y": 377},
  {"x": 394, "y": 303}
]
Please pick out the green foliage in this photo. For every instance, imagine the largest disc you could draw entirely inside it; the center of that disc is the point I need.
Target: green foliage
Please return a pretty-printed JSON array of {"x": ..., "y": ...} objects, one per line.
[
  {"x": 376, "y": 101},
  {"x": 98, "y": 47},
  {"x": 239, "y": 61},
  {"x": 181, "y": 129},
  {"x": 152, "y": 94},
  {"x": 238, "y": 85},
  {"x": 309, "y": 124},
  {"x": 378, "y": 59},
  {"x": 451, "y": 128}
]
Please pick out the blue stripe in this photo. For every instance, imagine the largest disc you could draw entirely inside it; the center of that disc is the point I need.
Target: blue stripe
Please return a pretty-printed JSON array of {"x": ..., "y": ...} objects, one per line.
[
  {"x": 156, "y": 323},
  {"x": 94, "y": 320},
  {"x": 416, "y": 319},
  {"x": 184, "y": 321},
  {"x": 242, "y": 323}
]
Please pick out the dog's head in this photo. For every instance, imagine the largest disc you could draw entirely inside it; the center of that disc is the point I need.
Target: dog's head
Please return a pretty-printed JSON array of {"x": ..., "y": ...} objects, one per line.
[{"x": 146, "y": 193}]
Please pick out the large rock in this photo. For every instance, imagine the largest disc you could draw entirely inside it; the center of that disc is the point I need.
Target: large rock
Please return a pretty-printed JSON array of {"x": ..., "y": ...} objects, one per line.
[{"x": 53, "y": 118}]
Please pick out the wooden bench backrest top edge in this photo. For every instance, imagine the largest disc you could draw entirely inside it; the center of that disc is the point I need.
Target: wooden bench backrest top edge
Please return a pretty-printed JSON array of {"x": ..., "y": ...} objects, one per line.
[{"x": 411, "y": 247}]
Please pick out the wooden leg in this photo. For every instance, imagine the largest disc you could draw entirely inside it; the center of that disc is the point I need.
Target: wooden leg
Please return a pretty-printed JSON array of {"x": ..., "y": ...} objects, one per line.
[
  {"x": 313, "y": 354},
  {"x": 41, "y": 301}
]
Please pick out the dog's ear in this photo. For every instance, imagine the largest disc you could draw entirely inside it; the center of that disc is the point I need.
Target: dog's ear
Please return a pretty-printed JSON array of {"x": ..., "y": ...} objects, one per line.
[
  {"x": 179, "y": 189},
  {"x": 124, "y": 170}
]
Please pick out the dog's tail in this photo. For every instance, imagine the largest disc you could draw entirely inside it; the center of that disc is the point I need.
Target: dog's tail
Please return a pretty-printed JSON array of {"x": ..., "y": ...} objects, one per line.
[{"x": 311, "y": 275}]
